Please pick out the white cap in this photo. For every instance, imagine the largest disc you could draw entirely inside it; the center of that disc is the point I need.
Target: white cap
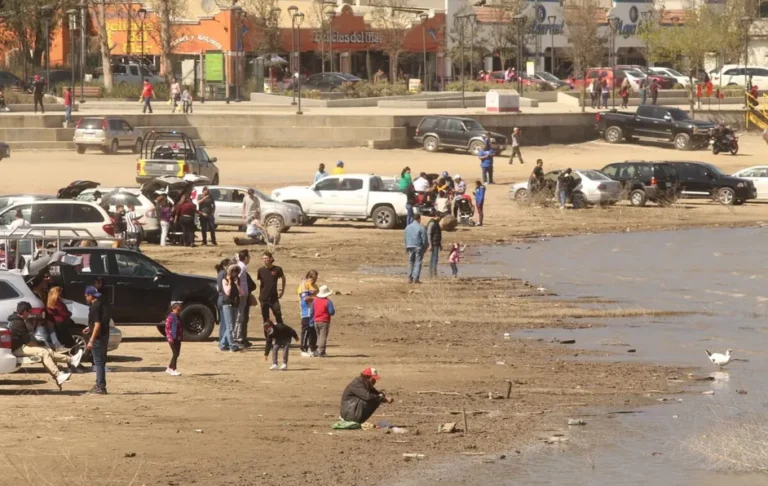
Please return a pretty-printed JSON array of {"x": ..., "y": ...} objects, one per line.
[{"x": 457, "y": 176}]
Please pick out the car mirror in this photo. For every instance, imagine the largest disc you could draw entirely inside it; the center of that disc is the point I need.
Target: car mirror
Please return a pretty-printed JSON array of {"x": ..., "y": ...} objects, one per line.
[
  {"x": 213, "y": 160},
  {"x": 667, "y": 117},
  {"x": 159, "y": 274}
]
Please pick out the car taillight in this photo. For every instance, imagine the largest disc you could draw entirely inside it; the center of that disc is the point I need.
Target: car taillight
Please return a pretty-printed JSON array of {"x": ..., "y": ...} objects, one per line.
[
  {"x": 79, "y": 122},
  {"x": 185, "y": 168},
  {"x": 5, "y": 339},
  {"x": 104, "y": 124},
  {"x": 654, "y": 181},
  {"x": 597, "y": 117},
  {"x": 417, "y": 130},
  {"x": 138, "y": 166},
  {"x": 601, "y": 187},
  {"x": 109, "y": 229}
]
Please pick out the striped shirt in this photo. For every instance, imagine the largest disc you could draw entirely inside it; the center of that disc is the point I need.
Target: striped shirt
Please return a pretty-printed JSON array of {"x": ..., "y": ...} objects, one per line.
[{"x": 131, "y": 226}]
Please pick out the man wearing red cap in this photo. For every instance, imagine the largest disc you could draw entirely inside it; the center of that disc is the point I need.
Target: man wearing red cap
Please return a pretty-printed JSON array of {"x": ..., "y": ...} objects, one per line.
[{"x": 360, "y": 398}]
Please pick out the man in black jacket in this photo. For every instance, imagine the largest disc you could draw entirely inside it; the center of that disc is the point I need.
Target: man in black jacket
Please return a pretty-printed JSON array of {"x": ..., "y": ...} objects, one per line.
[
  {"x": 24, "y": 345},
  {"x": 361, "y": 399},
  {"x": 37, "y": 94},
  {"x": 435, "y": 241}
]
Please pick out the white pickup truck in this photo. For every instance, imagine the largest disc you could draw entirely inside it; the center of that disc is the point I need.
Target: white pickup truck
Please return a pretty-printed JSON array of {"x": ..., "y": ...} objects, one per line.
[{"x": 349, "y": 196}]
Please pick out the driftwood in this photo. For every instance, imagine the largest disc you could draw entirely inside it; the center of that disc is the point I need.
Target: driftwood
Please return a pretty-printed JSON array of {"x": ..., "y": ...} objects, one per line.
[
  {"x": 436, "y": 392},
  {"x": 464, "y": 414}
]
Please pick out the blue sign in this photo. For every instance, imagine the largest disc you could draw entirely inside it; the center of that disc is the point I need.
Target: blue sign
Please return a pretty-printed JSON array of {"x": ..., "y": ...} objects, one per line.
[{"x": 541, "y": 14}]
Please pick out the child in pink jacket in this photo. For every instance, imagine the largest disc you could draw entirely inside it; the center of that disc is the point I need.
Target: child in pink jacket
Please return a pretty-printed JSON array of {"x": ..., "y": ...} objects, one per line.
[{"x": 454, "y": 256}]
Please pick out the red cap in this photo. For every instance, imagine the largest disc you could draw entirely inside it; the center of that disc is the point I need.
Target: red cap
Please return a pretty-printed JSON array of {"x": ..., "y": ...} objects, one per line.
[{"x": 371, "y": 373}]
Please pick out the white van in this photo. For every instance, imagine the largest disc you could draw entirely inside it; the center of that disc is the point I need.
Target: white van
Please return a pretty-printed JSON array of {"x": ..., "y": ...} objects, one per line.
[{"x": 62, "y": 213}]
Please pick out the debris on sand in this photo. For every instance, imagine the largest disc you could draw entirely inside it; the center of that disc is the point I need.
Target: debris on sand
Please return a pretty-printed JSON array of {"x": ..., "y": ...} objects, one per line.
[
  {"x": 410, "y": 455},
  {"x": 741, "y": 392},
  {"x": 576, "y": 422},
  {"x": 564, "y": 341},
  {"x": 447, "y": 428},
  {"x": 556, "y": 439},
  {"x": 130, "y": 454},
  {"x": 708, "y": 392}
]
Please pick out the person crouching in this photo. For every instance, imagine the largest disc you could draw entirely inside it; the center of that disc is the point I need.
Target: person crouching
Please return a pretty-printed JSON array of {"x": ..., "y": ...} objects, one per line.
[
  {"x": 280, "y": 335},
  {"x": 360, "y": 398}
]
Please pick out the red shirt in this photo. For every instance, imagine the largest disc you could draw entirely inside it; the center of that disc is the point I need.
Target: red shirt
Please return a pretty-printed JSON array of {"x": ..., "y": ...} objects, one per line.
[
  {"x": 186, "y": 208},
  {"x": 67, "y": 98},
  {"x": 148, "y": 90}
]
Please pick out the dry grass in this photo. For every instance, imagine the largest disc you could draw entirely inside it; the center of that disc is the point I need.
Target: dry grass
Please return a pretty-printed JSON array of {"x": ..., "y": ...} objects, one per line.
[{"x": 735, "y": 445}]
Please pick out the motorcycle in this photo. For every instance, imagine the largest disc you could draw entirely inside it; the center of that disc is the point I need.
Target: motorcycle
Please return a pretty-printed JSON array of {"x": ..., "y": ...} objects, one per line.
[{"x": 727, "y": 142}]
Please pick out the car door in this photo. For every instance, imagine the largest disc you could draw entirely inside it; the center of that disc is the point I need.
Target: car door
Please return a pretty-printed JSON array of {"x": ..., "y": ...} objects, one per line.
[
  {"x": 114, "y": 131},
  {"x": 454, "y": 133},
  {"x": 615, "y": 172},
  {"x": 225, "y": 213},
  {"x": 325, "y": 197},
  {"x": 75, "y": 279},
  {"x": 313, "y": 82},
  {"x": 352, "y": 197},
  {"x": 648, "y": 122},
  {"x": 127, "y": 134},
  {"x": 134, "y": 74},
  {"x": 205, "y": 167},
  {"x": 142, "y": 289},
  {"x": 698, "y": 180}
]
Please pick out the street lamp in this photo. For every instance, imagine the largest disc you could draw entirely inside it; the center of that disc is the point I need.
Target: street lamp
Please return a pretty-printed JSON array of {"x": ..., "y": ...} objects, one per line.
[
  {"x": 72, "y": 14},
  {"x": 613, "y": 23},
  {"x": 83, "y": 7},
  {"x": 292, "y": 11},
  {"x": 472, "y": 18},
  {"x": 299, "y": 18},
  {"x": 142, "y": 14},
  {"x": 461, "y": 21},
  {"x": 551, "y": 19},
  {"x": 520, "y": 21},
  {"x": 423, "y": 16},
  {"x": 46, "y": 10},
  {"x": 331, "y": 15},
  {"x": 240, "y": 15},
  {"x": 746, "y": 22},
  {"x": 647, "y": 16}
]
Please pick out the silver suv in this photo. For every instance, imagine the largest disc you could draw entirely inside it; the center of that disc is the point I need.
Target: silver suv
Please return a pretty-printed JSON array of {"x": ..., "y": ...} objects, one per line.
[{"x": 108, "y": 134}]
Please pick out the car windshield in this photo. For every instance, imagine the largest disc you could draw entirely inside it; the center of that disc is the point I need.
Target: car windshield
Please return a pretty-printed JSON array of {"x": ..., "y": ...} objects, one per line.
[
  {"x": 635, "y": 73},
  {"x": 547, "y": 76},
  {"x": 348, "y": 77},
  {"x": 678, "y": 114},
  {"x": 714, "y": 169},
  {"x": 594, "y": 175},
  {"x": 262, "y": 196},
  {"x": 674, "y": 73},
  {"x": 473, "y": 126}
]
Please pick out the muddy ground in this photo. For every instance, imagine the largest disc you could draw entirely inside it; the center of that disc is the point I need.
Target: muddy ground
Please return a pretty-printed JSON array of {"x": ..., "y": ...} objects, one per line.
[{"x": 229, "y": 420}]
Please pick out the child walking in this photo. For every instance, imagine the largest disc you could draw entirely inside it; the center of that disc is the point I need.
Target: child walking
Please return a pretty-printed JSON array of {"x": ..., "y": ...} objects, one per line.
[
  {"x": 454, "y": 257},
  {"x": 174, "y": 333},
  {"x": 281, "y": 336},
  {"x": 322, "y": 311},
  {"x": 186, "y": 101}
]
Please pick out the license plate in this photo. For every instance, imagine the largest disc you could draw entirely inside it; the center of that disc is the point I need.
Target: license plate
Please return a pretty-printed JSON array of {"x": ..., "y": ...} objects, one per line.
[{"x": 169, "y": 166}]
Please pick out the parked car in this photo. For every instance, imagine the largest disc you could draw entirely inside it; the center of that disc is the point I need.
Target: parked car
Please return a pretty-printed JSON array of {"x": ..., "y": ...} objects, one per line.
[
  {"x": 145, "y": 207},
  {"x": 62, "y": 215},
  {"x": 140, "y": 290},
  {"x": 759, "y": 177},
  {"x": 550, "y": 79},
  {"x": 131, "y": 74},
  {"x": 589, "y": 187},
  {"x": 735, "y": 75},
  {"x": 666, "y": 82},
  {"x": 634, "y": 77},
  {"x": 702, "y": 180},
  {"x": 680, "y": 78},
  {"x": 328, "y": 82},
  {"x": 440, "y": 132},
  {"x": 351, "y": 196},
  {"x": 109, "y": 134},
  {"x": 173, "y": 154},
  {"x": 657, "y": 123},
  {"x": 11, "y": 199},
  {"x": 643, "y": 181},
  {"x": 229, "y": 208},
  {"x": 606, "y": 73}
]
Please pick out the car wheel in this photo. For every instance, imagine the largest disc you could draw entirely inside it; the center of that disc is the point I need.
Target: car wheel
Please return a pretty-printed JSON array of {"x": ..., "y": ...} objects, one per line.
[
  {"x": 726, "y": 196},
  {"x": 274, "y": 221},
  {"x": 430, "y": 144},
  {"x": 197, "y": 320},
  {"x": 80, "y": 343},
  {"x": 114, "y": 147},
  {"x": 637, "y": 198},
  {"x": 81, "y": 149},
  {"x": 682, "y": 141},
  {"x": 579, "y": 200},
  {"x": 215, "y": 180},
  {"x": 521, "y": 197},
  {"x": 614, "y": 134},
  {"x": 137, "y": 146},
  {"x": 384, "y": 217},
  {"x": 475, "y": 147}
]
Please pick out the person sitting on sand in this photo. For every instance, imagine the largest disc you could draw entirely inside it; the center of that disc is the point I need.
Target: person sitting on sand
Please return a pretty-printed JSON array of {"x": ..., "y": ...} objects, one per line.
[{"x": 360, "y": 398}]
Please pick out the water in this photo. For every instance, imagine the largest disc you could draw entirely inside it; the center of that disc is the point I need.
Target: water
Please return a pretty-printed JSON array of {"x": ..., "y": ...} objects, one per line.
[{"x": 721, "y": 274}]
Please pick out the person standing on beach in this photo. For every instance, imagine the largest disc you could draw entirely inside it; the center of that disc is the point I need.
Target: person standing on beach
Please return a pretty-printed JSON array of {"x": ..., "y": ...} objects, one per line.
[
  {"x": 416, "y": 241},
  {"x": 486, "y": 161},
  {"x": 98, "y": 332},
  {"x": 516, "y": 146},
  {"x": 269, "y": 298},
  {"x": 307, "y": 291},
  {"x": 479, "y": 200},
  {"x": 322, "y": 312},
  {"x": 321, "y": 173},
  {"x": 434, "y": 243},
  {"x": 173, "y": 334},
  {"x": 246, "y": 286}
]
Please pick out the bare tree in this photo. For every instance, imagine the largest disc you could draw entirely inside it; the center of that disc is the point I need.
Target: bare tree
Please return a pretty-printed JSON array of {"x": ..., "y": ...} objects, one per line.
[
  {"x": 99, "y": 8},
  {"x": 501, "y": 32},
  {"x": 393, "y": 19},
  {"x": 587, "y": 39},
  {"x": 267, "y": 39},
  {"x": 166, "y": 29},
  {"x": 317, "y": 20}
]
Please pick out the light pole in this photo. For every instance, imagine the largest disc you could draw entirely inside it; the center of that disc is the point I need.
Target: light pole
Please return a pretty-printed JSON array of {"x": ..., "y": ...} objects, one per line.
[
  {"x": 423, "y": 17},
  {"x": 83, "y": 6},
  {"x": 72, "y": 14},
  {"x": 293, "y": 10},
  {"x": 613, "y": 22},
  {"x": 647, "y": 15},
  {"x": 240, "y": 14},
  {"x": 746, "y": 22},
  {"x": 46, "y": 10},
  {"x": 461, "y": 21},
  {"x": 331, "y": 15},
  {"x": 142, "y": 14},
  {"x": 551, "y": 19},
  {"x": 299, "y": 17},
  {"x": 520, "y": 21},
  {"x": 472, "y": 18}
]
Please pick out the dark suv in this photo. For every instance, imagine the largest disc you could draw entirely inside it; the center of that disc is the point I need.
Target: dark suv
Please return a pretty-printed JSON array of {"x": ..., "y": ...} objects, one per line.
[
  {"x": 643, "y": 181},
  {"x": 140, "y": 290},
  {"x": 702, "y": 180},
  {"x": 438, "y": 132}
]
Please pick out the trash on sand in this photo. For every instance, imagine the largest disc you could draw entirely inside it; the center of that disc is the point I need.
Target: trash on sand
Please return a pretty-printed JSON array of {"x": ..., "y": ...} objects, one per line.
[
  {"x": 632, "y": 350},
  {"x": 468, "y": 453},
  {"x": 399, "y": 430},
  {"x": 130, "y": 454},
  {"x": 506, "y": 336},
  {"x": 576, "y": 422},
  {"x": 409, "y": 455},
  {"x": 554, "y": 439},
  {"x": 656, "y": 453},
  {"x": 708, "y": 392},
  {"x": 564, "y": 341},
  {"x": 741, "y": 392},
  {"x": 501, "y": 363},
  {"x": 199, "y": 431},
  {"x": 447, "y": 428}
]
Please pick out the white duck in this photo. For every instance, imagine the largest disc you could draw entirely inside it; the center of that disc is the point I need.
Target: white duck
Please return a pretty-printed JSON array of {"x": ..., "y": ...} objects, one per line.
[{"x": 720, "y": 359}]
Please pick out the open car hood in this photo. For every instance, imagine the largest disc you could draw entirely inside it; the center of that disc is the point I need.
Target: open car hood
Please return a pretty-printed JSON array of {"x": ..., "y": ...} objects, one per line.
[
  {"x": 171, "y": 185},
  {"x": 75, "y": 188}
]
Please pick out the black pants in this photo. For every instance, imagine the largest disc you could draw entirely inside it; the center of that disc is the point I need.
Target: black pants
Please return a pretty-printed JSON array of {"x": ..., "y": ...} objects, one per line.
[
  {"x": 275, "y": 306},
  {"x": 175, "y": 350},
  {"x": 308, "y": 336},
  {"x": 357, "y": 410},
  {"x": 188, "y": 228},
  {"x": 39, "y": 99},
  {"x": 207, "y": 224}
]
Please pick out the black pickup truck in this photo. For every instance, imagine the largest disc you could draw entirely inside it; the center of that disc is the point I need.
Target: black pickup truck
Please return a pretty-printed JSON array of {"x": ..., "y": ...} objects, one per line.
[{"x": 657, "y": 123}]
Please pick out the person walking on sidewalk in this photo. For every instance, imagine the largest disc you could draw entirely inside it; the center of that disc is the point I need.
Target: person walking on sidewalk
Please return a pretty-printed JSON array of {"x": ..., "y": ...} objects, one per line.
[
  {"x": 269, "y": 298},
  {"x": 479, "y": 200},
  {"x": 68, "y": 105},
  {"x": 174, "y": 335},
  {"x": 416, "y": 241},
  {"x": 322, "y": 312},
  {"x": 516, "y": 146},
  {"x": 307, "y": 292},
  {"x": 175, "y": 95},
  {"x": 98, "y": 330},
  {"x": 38, "y": 86},
  {"x": 434, "y": 243},
  {"x": 186, "y": 101},
  {"x": 147, "y": 93}
]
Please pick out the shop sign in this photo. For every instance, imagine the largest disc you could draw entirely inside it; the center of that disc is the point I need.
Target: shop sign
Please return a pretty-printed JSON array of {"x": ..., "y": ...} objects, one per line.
[
  {"x": 198, "y": 37},
  {"x": 541, "y": 25},
  {"x": 362, "y": 37},
  {"x": 214, "y": 67}
]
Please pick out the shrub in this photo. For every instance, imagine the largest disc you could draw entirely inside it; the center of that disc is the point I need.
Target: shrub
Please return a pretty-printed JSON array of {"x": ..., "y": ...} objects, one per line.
[
  {"x": 120, "y": 91},
  {"x": 367, "y": 89}
]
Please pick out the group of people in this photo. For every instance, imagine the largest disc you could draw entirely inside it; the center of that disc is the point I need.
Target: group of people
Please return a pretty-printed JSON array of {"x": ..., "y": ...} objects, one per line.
[
  {"x": 179, "y": 99},
  {"x": 600, "y": 90},
  {"x": 420, "y": 239}
]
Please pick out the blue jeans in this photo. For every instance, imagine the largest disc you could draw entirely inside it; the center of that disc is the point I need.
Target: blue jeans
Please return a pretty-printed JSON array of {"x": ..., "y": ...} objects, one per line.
[
  {"x": 99, "y": 354},
  {"x": 226, "y": 340},
  {"x": 433, "y": 259},
  {"x": 408, "y": 214},
  {"x": 68, "y": 113},
  {"x": 487, "y": 175},
  {"x": 562, "y": 196},
  {"x": 147, "y": 104},
  {"x": 415, "y": 259}
]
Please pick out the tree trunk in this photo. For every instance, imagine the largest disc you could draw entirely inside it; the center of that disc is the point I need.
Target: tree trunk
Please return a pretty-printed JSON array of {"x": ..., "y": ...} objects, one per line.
[
  {"x": 165, "y": 39},
  {"x": 106, "y": 60}
]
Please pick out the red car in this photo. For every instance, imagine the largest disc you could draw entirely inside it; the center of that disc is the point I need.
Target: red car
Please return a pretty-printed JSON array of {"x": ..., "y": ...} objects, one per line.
[{"x": 606, "y": 73}]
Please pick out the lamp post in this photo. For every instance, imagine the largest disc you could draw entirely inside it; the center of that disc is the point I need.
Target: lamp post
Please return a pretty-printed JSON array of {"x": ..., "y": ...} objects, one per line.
[
  {"x": 461, "y": 21},
  {"x": 83, "y": 6},
  {"x": 551, "y": 19},
  {"x": 293, "y": 10},
  {"x": 45, "y": 11},
  {"x": 240, "y": 15},
  {"x": 520, "y": 21},
  {"x": 647, "y": 15},
  {"x": 142, "y": 14},
  {"x": 299, "y": 18},
  {"x": 472, "y": 18},
  {"x": 746, "y": 22},
  {"x": 72, "y": 14},
  {"x": 613, "y": 23},
  {"x": 331, "y": 15},
  {"x": 423, "y": 17}
]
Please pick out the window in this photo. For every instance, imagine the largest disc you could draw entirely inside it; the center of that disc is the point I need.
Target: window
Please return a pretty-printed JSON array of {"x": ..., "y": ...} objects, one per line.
[
  {"x": 454, "y": 125},
  {"x": 134, "y": 266},
  {"x": 114, "y": 125},
  {"x": 118, "y": 69},
  {"x": 594, "y": 175},
  {"x": 350, "y": 184},
  {"x": 8, "y": 217},
  {"x": 86, "y": 214},
  {"x": 734, "y": 72},
  {"x": 47, "y": 214},
  {"x": 238, "y": 196},
  {"x": 610, "y": 171},
  {"x": 592, "y": 75},
  {"x": 93, "y": 263},
  {"x": 124, "y": 126},
  {"x": 427, "y": 124},
  {"x": 327, "y": 185},
  {"x": 223, "y": 195},
  {"x": 134, "y": 70},
  {"x": 202, "y": 155},
  {"x": 757, "y": 72},
  {"x": 763, "y": 12},
  {"x": 7, "y": 291},
  {"x": 315, "y": 78},
  {"x": 92, "y": 123},
  {"x": 645, "y": 171}
]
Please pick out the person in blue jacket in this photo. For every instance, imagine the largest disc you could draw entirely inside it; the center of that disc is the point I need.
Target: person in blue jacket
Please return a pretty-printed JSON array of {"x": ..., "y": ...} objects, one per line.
[{"x": 486, "y": 161}]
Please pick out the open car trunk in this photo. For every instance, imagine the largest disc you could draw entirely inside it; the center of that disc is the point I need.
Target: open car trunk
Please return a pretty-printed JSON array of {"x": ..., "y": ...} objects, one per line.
[{"x": 75, "y": 188}]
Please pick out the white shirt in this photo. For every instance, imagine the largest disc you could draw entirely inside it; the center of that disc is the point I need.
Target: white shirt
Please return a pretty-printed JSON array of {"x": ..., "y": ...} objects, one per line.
[
  {"x": 421, "y": 184},
  {"x": 130, "y": 226},
  {"x": 19, "y": 223}
]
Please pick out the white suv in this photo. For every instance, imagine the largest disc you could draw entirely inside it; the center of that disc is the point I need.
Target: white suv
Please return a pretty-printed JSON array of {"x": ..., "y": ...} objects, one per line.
[
  {"x": 733, "y": 74},
  {"x": 62, "y": 213},
  {"x": 145, "y": 208}
]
